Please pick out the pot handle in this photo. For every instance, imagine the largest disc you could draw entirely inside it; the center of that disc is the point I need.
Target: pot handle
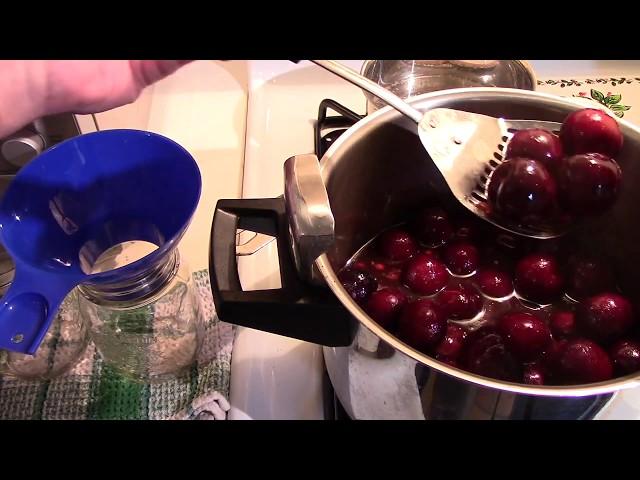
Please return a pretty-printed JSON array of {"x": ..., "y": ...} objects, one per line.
[{"x": 297, "y": 309}]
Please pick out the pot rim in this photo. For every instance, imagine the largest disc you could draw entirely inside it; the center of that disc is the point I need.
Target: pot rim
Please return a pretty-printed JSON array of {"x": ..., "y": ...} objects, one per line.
[{"x": 388, "y": 114}]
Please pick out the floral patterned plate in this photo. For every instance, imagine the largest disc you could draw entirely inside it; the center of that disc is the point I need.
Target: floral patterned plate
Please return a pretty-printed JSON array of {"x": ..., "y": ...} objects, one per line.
[{"x": 618, "y": 94}]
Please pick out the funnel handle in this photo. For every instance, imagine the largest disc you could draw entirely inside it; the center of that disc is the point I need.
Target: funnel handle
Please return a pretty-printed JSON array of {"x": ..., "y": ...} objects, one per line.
[
  {"x": 26, "y": 314},
  {"x": 298, "y": 309}
]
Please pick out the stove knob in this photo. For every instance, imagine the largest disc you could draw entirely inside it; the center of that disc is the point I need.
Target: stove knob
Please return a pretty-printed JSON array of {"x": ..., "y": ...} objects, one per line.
[{"x": 22, "y": 147}]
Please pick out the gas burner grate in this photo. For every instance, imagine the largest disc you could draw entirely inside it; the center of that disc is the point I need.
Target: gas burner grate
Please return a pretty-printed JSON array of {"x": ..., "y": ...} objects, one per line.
[{"x": 337, "y": 123}]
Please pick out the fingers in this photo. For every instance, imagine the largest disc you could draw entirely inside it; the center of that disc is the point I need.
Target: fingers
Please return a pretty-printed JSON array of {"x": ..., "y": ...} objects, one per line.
[
  {"x": 222, "y": 401},
  {"x": 22, "y": 92},
  {"x": 147, "y": 72}
]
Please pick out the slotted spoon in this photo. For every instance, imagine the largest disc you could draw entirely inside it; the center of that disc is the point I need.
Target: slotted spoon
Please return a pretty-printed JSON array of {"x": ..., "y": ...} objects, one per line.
[{"x": 465, "y": 147}]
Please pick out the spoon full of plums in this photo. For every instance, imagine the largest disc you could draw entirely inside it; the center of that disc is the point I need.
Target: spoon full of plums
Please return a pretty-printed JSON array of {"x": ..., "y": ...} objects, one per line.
[{"x": 529, "y": 177}]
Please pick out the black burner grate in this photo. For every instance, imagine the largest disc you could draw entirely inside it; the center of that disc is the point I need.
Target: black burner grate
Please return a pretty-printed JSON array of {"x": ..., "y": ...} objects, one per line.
[{"x": 337, "y": 123}]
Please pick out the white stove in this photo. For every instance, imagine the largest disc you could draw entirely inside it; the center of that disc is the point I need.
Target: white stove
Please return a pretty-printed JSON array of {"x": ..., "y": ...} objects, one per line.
[{"x": 274, "y": 377}]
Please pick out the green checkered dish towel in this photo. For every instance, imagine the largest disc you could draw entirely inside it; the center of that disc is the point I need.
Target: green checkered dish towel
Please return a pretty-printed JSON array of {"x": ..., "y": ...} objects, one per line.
[{"x": 92, "y": 390}]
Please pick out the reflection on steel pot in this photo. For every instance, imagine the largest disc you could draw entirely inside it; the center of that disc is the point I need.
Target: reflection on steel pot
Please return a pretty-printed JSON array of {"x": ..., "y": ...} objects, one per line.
[{"x": 373, "y": 174}]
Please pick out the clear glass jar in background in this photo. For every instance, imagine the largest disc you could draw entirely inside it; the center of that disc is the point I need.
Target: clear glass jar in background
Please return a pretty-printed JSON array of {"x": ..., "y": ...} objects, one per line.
[
  {"x": 62, "y": 347},
  {"x": 149, "y": 328},
  {"x": 7, "y": 271},
  {"x": 7, "y": 267},
  {"x": 409, "y": 78}
]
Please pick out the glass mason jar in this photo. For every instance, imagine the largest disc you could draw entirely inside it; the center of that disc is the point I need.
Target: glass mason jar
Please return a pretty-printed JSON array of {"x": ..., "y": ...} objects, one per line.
[
  {"x": 409, "y": 78},
  {"x": 148, "y": 328}
]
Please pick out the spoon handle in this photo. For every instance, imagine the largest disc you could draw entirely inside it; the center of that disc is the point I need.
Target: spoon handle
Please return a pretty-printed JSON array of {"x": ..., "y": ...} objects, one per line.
[{"x": 371, "y": 87}]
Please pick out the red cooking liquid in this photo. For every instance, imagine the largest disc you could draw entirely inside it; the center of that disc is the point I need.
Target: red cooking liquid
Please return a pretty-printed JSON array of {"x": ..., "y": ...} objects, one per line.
[{"x": 545, "y": 346}]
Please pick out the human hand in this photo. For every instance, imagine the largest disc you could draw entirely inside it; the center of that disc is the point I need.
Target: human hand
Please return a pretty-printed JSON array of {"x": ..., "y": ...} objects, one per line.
[{"x": 35, "y": 88}]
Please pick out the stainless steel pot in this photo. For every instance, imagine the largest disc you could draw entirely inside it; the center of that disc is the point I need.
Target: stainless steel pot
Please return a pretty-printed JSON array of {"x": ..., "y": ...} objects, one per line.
[{"x": 373, "y": 174}]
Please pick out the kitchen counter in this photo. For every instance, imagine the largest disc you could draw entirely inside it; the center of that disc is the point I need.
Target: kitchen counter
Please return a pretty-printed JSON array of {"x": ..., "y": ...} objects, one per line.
[{"x": 203, "y": 107}]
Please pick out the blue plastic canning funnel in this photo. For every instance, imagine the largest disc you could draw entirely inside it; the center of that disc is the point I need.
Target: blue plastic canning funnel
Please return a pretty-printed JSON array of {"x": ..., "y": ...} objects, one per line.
[{"x": 77, "y": 200}]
